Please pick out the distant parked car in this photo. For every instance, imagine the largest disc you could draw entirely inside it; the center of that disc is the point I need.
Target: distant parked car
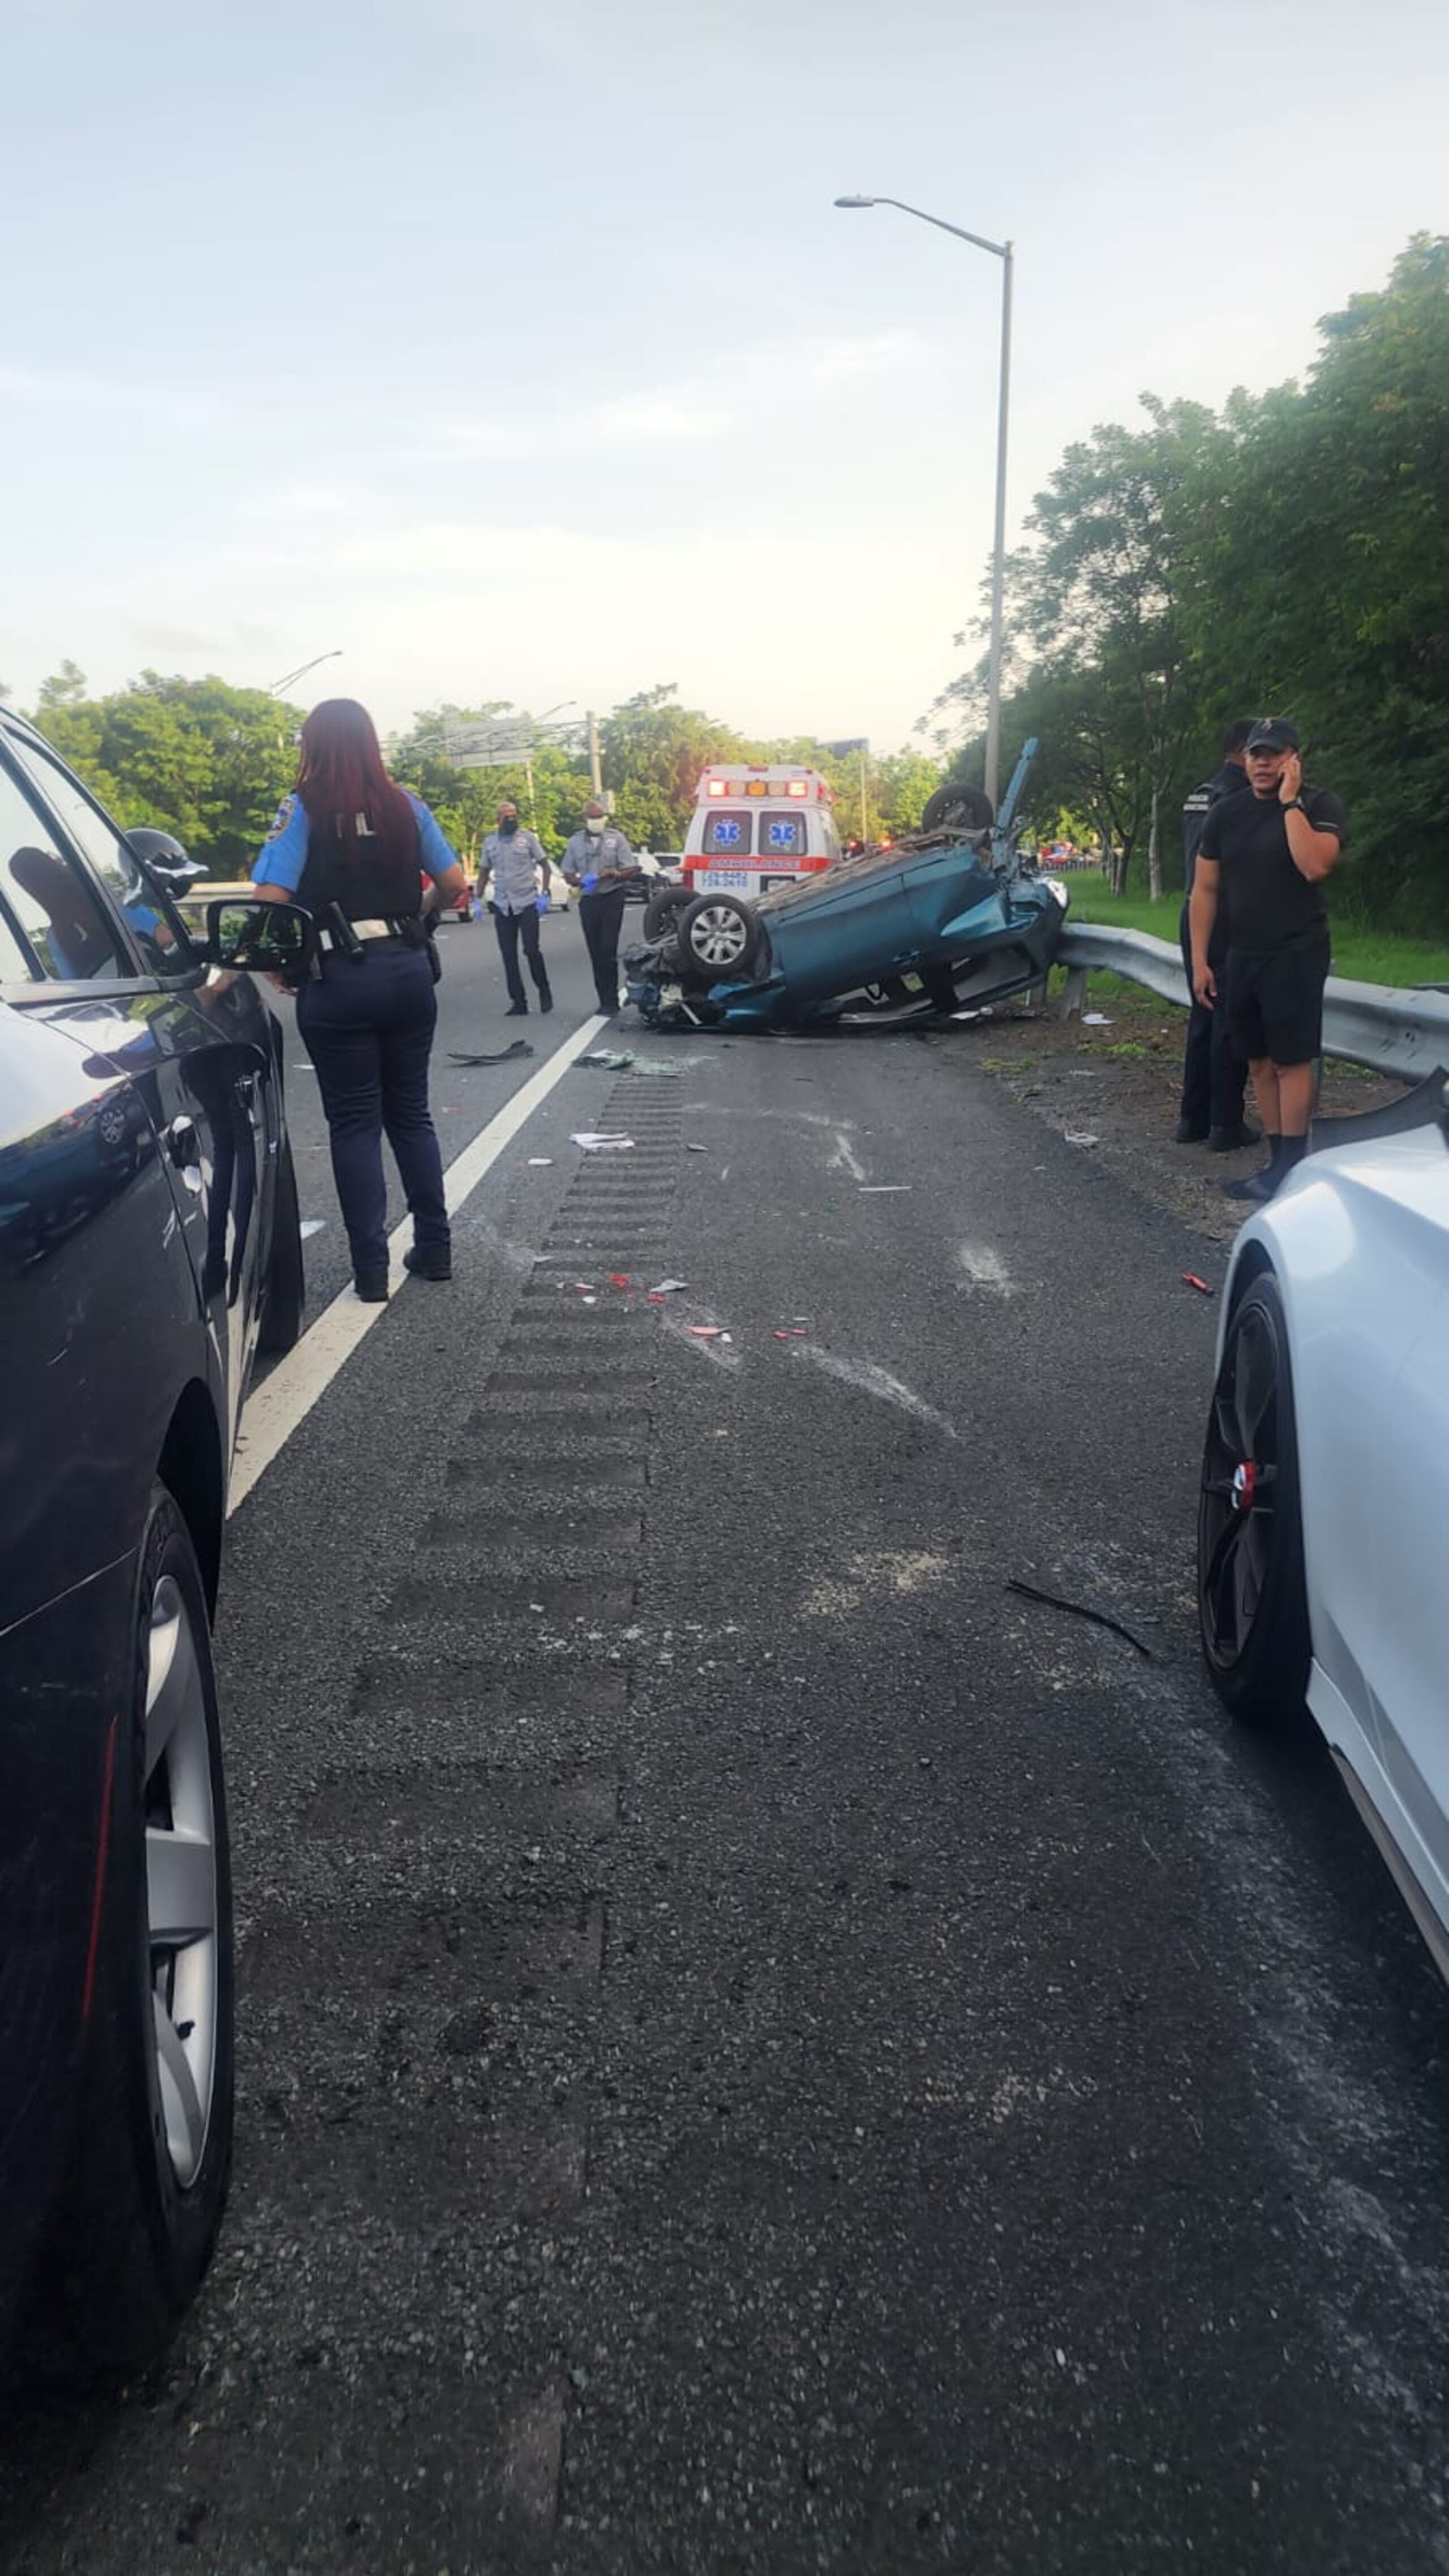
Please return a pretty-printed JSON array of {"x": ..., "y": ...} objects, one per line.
[
  {"x": 1325, "y": 1487},
  {"x": 149, "y": 1244}
]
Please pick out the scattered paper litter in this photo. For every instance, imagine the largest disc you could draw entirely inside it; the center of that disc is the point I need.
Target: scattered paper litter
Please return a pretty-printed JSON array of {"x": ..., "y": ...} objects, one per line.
[
  {"x": 1080, "y": 1136},
  {"x": 667, "y": 1287},
  {"x": 696, "y": 1149},
  {"x": 311, "y": 1225},
  {"x": 884, "y": 1189},
  {"x": 540, "y": 1162},
  {"x": 1095, "y": 1020},
  {"x": 594, "y": 1143}
]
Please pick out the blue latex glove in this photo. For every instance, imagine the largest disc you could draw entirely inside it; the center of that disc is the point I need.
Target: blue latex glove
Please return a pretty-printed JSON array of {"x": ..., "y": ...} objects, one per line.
[
  {"x": 542, "y": 904},
  {"x": 591, "y": 880}
]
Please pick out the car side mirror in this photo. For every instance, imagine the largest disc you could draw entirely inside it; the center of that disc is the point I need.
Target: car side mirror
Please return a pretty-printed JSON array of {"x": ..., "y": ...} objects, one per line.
[{"x": 244, "y": 933}]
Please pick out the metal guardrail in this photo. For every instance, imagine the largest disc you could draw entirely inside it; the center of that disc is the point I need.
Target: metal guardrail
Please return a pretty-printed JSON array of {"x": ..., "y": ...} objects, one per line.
[{"x": 1395, "y": 1029}]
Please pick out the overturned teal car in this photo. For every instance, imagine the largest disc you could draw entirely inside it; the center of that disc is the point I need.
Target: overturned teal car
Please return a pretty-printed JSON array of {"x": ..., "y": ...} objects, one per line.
[{"x": 947, "y": 920}]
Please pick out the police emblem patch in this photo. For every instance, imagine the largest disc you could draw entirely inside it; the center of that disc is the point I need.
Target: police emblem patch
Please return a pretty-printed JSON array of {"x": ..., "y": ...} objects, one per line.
[{"x": 282, "y": 818}]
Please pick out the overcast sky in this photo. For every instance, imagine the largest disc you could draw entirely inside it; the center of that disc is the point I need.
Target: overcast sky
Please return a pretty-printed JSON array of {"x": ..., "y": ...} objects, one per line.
[{"x": 519, "y": 352}]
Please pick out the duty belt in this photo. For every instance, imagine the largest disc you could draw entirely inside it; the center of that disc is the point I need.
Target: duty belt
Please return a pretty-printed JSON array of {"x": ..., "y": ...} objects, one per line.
[{"x": 362, "y": 932}]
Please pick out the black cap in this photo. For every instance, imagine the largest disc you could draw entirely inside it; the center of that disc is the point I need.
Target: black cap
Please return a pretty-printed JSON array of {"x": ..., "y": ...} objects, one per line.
[{"x": 1273, "y": 733}]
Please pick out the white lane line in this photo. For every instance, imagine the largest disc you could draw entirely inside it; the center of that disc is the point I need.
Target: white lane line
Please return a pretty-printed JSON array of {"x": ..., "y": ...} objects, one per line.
[{"x": 296, "y": 1383}]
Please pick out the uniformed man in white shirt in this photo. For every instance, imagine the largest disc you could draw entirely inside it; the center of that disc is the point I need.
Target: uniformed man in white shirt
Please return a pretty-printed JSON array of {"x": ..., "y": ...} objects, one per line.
[
  {"x": 514, "y": 881},
  {"x": 598, "y": 861}
]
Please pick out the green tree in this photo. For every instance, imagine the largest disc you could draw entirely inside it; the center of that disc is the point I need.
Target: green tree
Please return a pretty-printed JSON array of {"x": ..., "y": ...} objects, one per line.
[
  {"x": 197, "y": 757},
  {"x": 653, "y": 753}
]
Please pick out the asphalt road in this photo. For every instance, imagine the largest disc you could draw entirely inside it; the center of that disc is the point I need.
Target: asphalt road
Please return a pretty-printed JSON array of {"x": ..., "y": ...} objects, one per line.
[{"x": 762, "y": 2049}]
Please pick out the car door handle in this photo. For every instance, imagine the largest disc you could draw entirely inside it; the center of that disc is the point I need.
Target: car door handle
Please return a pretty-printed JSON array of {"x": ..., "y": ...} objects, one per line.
[{"x": 183, "y": 1144}]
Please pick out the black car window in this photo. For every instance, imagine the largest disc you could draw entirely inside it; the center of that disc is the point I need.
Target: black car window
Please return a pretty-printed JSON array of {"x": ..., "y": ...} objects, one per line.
[
  {"x": 47, "y": 897},
  {"x": 154, "y": 926}
]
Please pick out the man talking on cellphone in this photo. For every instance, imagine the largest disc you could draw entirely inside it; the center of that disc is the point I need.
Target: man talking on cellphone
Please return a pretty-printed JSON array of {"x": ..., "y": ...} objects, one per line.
[{"x": 1268, "y": 853}]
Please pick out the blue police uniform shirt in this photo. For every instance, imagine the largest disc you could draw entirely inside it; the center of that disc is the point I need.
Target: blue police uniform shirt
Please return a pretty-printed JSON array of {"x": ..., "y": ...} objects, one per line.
[{"x": 284, "y": 852}]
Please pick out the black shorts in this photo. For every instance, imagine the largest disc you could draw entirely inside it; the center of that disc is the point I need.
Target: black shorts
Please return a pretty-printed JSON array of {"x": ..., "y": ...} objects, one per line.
[{"x": 1275, "y": 1000}]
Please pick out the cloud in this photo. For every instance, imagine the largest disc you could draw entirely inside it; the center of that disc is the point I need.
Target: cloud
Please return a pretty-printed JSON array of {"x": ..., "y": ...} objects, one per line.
[
  {"x": 652, "y": 420},
  {"x": 65, "y": 389}
]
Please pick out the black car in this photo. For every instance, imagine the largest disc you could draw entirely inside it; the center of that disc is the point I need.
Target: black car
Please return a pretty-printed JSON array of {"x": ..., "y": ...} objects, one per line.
[{"x": 149, "y": 1244}]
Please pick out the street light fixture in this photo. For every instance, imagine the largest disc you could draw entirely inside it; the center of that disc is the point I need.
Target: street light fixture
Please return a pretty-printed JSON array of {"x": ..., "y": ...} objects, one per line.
[
  {"x": 288, "y": 677},
  {"x": 1006, "y": 253}
]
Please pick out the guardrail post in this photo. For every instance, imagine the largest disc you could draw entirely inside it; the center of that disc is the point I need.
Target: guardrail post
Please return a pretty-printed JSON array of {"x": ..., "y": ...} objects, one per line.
[{"x": 1074, "y": 993}]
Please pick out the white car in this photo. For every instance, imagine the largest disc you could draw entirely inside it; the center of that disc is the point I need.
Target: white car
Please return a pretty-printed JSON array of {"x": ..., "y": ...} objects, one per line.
[{"x": 1325, "y": 1488}]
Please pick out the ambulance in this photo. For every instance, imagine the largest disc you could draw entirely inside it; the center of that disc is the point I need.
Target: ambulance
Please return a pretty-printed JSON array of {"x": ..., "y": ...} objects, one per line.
[{"x": 756, "y": 827}]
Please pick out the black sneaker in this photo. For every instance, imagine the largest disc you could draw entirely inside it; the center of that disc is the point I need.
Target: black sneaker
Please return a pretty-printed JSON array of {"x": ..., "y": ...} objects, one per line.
[
  {"x": 1230, "y": 1140},
  {"x": 1188, "y": 1134},
  {"x": 428, "y": 1261},
  {"x": 516, "y": 1011},
  {"x": 370, "y": 1286},
  {"x": 1257, "y": 1187},
  {"x": 545, "y": 1001}
]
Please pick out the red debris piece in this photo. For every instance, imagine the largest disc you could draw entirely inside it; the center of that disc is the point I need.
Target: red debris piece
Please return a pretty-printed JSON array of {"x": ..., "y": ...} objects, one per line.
[
  {"x": 1190, "y": 1279},
  {"x": 619, "y": 1279}
]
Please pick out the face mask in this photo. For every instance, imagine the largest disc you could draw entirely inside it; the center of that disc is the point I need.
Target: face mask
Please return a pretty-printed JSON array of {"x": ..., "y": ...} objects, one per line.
[
  {"x": 594, "y": 822},
  {"x": 509, "y": 826}
]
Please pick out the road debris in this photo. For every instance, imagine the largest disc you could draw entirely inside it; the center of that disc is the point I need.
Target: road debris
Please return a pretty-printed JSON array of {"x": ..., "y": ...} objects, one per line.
[
  {"x": 1080, "y": 1136},
  {"x": 1190, "y": 1279},
  {"x": 603, "y": 1060},
  {"x": 540, "y": 1162},
  {"x": 884, "y": 1190},
  {"x": 696, "y": 1149},
  {"x": 1079, "y": 1610},
  {"x": 509, "y": 1055},
  {"x": 1095, "y": 1020},
  {"x": 594, "y": 1143},
  {"x": 706, "y": 1333},
  {"x": 668, "y": 1287}
]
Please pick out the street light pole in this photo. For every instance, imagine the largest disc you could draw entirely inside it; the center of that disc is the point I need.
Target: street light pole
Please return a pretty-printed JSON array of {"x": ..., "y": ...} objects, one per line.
[{"x": 1006, "y": 253}]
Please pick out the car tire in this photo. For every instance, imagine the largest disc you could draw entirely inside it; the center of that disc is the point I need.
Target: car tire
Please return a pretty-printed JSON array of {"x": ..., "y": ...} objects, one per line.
[
  {"x": 146, "y": 2183},
  {"x": 1252, "y": 1596},
  {"x": 719, "y": 936},
  {"x": 284, "y": 1297},
  {"x": 958, "y": 806},
  {"x": 663, "y": 911}
]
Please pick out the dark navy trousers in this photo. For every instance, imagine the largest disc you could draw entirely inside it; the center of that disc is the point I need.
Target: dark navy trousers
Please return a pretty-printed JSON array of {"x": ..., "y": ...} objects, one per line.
[
  {"x": 1213, "y": 1081},
  {"x": 368, "y": 1028}
]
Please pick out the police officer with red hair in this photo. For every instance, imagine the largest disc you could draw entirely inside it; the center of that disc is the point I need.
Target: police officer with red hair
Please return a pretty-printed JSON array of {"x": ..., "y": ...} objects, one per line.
[{"x": 353, "y": 847}]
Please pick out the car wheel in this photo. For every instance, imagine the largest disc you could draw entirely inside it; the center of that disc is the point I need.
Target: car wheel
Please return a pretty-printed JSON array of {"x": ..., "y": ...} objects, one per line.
[
  {"x": 284, "y": 1297},
  {"x": 959, "y": 807},
  {"x": 719, "y": 935},
  {"x": 147, "y": 2180},
  {"x": 1252, "y": 1601},
  {"x": 663, "y": 911}
]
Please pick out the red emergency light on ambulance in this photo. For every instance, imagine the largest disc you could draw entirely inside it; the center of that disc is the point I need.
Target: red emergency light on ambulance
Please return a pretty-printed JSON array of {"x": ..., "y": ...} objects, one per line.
[{"x": 756, "y": 826}]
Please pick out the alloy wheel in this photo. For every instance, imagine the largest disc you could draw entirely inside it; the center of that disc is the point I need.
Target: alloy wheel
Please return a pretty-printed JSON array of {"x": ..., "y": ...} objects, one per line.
[
  {"x": 1241, "y": 1463},
  {"x": 181, "y": 1889}
]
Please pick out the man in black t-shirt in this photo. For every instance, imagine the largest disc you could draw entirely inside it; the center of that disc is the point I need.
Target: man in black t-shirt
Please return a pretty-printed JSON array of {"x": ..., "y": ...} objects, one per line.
[{"x": 1268, "y": 854}]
